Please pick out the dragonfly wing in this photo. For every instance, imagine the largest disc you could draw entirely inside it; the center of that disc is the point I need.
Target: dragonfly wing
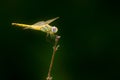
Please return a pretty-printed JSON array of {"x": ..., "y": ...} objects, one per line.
[
  {"x": 45, "y": 22},
  {"x": 51, "y": 20},
  {"x": 39, "y": 23}
]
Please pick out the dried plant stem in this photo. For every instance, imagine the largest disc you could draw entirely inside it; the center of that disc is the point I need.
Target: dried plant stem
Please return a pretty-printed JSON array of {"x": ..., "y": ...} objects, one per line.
[{"x": 55, "y": 47}]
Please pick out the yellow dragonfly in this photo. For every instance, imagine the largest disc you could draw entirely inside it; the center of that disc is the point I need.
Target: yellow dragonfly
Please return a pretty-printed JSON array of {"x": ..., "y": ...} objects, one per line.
[{"x": 42, "y": 26}]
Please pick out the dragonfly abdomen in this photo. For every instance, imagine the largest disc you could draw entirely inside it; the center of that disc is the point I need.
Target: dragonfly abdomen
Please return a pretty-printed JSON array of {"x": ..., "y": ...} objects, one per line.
[{"x": 21, "y": 25}]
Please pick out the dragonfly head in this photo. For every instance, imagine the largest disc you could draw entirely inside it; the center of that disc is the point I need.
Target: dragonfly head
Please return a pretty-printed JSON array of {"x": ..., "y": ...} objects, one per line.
[{"x": 54, "y": 29}]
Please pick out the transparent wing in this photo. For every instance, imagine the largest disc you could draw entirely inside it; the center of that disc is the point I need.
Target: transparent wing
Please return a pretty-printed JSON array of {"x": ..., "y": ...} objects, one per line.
[
  {"x": 40, "y": 26},
  {"x": 39, "y": 23},
  {"x": 45, "y": 22},
  {"x": 51, "y": 20}
]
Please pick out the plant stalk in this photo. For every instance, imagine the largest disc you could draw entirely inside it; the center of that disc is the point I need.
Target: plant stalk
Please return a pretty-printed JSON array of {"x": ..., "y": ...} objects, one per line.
[{"x": 55, "y": 48}]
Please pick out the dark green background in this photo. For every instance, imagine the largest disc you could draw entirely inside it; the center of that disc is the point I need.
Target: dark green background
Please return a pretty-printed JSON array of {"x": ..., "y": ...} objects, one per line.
[{"x": 89, "y": 44}]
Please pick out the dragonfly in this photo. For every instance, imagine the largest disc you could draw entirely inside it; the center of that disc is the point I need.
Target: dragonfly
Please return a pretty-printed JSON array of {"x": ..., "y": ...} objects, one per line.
[{"x": 41, "y": 26}]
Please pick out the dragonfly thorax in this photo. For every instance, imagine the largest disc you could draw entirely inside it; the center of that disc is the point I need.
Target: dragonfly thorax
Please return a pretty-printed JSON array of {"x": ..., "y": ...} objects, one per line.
[{"x": 54, "y": 29}]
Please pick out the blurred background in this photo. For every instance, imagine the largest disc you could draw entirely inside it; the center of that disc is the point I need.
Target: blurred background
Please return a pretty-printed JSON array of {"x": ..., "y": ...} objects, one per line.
[{"x": 89, "y": 44}]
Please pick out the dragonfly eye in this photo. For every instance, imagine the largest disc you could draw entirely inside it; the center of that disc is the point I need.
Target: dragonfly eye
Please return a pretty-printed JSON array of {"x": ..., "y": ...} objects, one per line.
[{"x": 54, "y": 29}]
